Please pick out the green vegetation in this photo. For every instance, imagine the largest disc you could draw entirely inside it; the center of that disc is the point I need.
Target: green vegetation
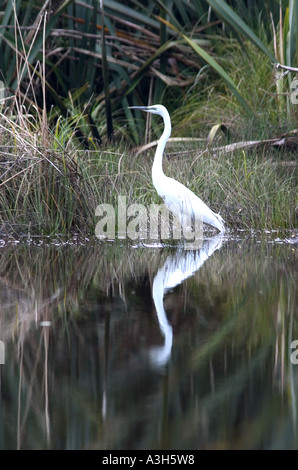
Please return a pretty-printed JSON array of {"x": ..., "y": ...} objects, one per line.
[{"x": 67, "y": 137}]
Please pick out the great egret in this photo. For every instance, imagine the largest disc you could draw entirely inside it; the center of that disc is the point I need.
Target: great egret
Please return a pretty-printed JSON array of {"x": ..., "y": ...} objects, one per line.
[{"x": 180, "y": 200}]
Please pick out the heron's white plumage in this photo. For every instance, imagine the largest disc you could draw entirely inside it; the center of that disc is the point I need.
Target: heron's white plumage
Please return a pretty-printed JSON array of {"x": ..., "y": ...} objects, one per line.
[
  {"x": 186, "y": 206},
  {"x": 180, "y": 200}
]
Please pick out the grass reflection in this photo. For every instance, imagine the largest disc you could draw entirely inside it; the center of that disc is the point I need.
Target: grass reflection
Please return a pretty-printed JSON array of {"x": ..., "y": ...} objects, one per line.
[{"x": 85, "y": 381}]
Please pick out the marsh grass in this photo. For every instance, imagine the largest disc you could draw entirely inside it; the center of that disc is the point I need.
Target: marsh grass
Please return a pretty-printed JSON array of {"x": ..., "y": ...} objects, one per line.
[
  {"x": 51, "y": 183},
  {"x": 54, "y": 190},
  {"x": 209, "y": 102}
]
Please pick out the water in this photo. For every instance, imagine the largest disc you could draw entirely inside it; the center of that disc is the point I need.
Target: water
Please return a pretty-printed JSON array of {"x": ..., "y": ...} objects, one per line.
[{"x": 110, "y": 346}]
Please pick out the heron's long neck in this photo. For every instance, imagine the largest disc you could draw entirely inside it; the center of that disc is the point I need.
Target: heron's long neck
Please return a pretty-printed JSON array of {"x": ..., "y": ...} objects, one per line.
[{"x": 157, "y": 171}]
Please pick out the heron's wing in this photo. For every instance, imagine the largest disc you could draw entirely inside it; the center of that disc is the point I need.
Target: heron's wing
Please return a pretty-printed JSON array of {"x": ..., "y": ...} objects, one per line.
[{"x": 184, "y": 204}]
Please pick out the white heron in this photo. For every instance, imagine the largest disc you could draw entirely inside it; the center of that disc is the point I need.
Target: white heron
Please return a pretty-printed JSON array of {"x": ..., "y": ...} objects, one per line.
[{"x": 180, "y": 200}]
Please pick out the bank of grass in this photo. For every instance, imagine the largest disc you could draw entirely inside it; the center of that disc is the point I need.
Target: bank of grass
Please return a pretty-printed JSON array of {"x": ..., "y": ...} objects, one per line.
[
  {"x": 49, "y": 188},
  {"x": 51, "y": 184}
]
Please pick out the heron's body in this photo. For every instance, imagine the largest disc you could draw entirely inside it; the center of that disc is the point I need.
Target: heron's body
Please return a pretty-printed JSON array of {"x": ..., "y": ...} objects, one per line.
[
  {"x": 185, "y": 205},
  {"x": 180, "y": 200}
]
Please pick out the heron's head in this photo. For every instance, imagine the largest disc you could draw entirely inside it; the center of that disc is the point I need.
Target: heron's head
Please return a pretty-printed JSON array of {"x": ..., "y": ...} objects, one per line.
[
  {"x": 154, "y": 109},
  {"x": 161, "y": 111}
]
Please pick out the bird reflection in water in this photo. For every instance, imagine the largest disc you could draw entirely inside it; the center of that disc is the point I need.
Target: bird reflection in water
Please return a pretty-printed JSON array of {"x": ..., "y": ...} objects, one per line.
[{"x": 177, "y": 267}]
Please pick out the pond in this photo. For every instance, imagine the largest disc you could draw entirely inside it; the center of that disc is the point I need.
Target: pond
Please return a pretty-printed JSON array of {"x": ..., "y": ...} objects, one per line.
[{"x": 106, "y": 345}]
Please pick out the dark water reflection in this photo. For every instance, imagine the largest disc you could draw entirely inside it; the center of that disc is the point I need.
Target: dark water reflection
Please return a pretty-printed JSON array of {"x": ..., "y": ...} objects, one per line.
[{"x": 116, "y": 347}]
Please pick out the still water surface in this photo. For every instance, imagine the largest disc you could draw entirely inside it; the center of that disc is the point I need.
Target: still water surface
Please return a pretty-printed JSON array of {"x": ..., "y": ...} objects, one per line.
[{"x": 110, "y": 346}]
